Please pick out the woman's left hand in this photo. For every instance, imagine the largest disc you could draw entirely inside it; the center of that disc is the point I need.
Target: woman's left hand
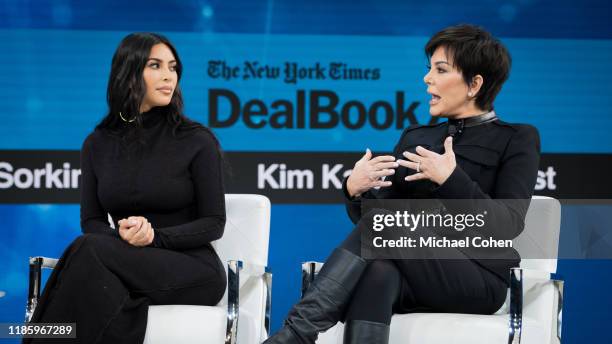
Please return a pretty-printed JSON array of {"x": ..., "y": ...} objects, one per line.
[
  {"x": 431, "y": 165},
  {"x": 136, "y": 230}
]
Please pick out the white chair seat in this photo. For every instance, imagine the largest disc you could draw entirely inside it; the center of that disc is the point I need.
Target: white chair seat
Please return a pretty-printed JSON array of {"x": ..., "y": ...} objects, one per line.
[
  {"x": 448, "y": 328},
  {"x": 186, "y": 324}
]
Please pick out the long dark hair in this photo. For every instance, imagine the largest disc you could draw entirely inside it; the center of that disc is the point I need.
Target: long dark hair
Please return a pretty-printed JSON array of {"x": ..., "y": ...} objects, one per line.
[
  {"x": 126, "y": 87},
  {"x": 126, "y": 90}
]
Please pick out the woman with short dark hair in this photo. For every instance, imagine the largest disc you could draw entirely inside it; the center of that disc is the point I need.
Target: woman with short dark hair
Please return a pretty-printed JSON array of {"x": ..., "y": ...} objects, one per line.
[
  {"x": 471, "y": 156},
  {"x": 158, "y": 175},
  {"x": 477, "y": 55}
]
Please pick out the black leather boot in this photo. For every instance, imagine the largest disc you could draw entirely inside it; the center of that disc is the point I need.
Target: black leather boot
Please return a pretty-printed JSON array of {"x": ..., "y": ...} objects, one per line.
[
  {"x": 365, "y": 332},
  {"x": 323, "y": 303}
]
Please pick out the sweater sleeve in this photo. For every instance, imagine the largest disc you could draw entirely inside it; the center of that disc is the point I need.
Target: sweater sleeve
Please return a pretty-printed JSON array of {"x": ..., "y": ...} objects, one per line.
[
  {"x": 513, "y": 188},
  {"x": 353, "y": 204},
  {"x": 94, "y": 219},
  {"x": 207, "y": 176}
]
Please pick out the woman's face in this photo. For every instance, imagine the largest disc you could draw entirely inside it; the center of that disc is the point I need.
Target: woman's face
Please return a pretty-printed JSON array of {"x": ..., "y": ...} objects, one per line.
[
  {"x": 160, "y": 77},
  {"x": 449, "y": 92}
]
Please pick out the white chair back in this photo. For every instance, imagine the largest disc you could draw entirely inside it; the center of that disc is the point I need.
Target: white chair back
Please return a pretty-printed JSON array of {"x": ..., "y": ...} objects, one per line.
[
  {"x": 538, "y": 244},
  {"x": 247, "y": 229}
]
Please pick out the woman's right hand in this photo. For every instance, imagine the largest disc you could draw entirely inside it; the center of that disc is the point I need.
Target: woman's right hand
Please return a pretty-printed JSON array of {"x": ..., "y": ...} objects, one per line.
[
  {"x": 136, "y": 230},
  {"x": 368, "y": 172}
]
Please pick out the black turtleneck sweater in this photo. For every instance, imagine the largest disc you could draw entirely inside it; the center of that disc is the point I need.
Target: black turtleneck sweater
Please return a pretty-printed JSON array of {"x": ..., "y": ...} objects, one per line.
[{"x": 175, "y": 181}]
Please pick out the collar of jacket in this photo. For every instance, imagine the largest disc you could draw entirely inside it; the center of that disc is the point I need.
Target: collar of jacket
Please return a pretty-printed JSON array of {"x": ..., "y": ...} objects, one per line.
[{"x": 456, "y": 126}]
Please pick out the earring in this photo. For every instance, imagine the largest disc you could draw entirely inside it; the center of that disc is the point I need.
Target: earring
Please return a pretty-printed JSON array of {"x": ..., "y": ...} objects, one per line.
[
  {"x": 125, "y": 120},
  {"x": 469, "y": 94}
]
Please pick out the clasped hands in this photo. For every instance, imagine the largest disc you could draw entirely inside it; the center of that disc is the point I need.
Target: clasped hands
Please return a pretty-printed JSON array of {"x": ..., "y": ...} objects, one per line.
[
  {"x": 136, "y": 230},
  {"x": 368, "y": 171}
]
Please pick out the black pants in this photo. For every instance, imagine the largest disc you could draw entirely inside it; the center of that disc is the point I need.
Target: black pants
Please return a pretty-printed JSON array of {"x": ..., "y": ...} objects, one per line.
[
  {"x": 106, "y": 285},
  {"x": 421, "y": 285}
]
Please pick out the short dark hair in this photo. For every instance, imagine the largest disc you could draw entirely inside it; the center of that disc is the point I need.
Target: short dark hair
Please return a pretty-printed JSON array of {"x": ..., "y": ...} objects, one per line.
[{"x": 475, "y": 51}]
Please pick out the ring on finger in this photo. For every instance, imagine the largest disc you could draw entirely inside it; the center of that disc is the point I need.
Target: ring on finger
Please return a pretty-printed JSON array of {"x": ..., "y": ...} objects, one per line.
[{"x": 418, "y": 169}]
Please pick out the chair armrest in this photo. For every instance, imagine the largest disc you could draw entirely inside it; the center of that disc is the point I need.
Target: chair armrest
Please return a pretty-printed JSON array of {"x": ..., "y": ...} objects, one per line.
[
  {"x": 234, "y": 269},
  {"x": 533, "y": 274},
  {"x": 517, "y": 277},
  {"x": 34, "y": 281},
  {"x": 45, "y": 262},
  {"x": 253, "y": 269},
  {"x": 310, "y": 269}
]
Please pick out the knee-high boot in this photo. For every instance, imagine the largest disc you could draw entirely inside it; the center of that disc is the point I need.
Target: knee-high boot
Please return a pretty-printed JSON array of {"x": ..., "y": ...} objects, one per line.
[
  {"x": 365, "y": 332},
  {"x": 323, "y": 304}
]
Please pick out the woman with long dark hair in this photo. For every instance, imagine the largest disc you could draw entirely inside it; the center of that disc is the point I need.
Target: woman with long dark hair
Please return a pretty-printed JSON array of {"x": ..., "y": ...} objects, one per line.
[
  {"x": 471, "y": 156},
  {"x": 158, "y": 175}
]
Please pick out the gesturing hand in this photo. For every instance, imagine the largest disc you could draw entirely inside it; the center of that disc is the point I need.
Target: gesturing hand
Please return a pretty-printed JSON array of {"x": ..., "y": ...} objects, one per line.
[
  {"x": 431, "y": 165},
  {"x": 136, "y": 230},
  {"x": 367, "y": 173}
]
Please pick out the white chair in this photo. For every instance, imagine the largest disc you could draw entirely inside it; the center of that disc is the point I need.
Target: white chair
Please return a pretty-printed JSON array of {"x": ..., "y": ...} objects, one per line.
[
  {"x": 243, "y": 315},
  {"x": 533, "y": 308}
]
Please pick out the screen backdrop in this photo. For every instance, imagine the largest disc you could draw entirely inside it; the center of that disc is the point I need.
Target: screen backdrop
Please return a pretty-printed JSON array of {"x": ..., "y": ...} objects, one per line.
[{"x": 296, "y": 92}]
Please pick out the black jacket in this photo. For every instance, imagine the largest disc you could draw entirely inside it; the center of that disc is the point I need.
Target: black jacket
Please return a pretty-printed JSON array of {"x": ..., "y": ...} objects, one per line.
[{"x": 495, "y": 160}]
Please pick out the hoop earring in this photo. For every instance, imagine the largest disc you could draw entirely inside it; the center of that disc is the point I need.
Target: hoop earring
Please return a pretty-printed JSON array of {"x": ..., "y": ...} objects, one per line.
[{"x": 125, "y": 120}]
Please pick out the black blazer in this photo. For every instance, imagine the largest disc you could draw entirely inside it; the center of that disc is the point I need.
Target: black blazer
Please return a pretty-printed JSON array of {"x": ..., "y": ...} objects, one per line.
[{"x": 495, "y": 160}]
